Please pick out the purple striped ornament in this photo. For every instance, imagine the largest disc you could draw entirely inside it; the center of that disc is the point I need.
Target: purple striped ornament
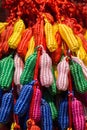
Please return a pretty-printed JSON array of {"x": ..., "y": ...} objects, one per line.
[
  {"x": 19, "y": 66},
  {"x": 46, "y": 77},
  {"x": 62, "y": 80},
  {"x": 78, "y": 115}
]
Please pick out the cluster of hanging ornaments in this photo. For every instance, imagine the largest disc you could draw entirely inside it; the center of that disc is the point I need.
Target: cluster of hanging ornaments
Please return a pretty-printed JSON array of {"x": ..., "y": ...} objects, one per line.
[{"x": 43, "y": 65}]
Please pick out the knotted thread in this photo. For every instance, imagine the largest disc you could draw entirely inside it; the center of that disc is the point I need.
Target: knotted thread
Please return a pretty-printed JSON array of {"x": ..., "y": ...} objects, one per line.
[
  {"x": 6, "y": 107},
  {"x": 19, "y": 65},
  {"x": 46, "y": 77},
  {"x": 31, "y": 125},
  {"x": 78, "y": 115},
  {"x": 46, "y": 118},
  {"x": 78, "y": 77},
  {"x": 62, "y": 80},
  {"x": 24, "y": 99}
]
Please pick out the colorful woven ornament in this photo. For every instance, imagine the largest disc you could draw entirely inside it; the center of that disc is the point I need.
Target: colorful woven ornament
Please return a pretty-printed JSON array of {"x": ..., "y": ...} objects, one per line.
[
  {"x": 31, "y": 125},
  {"x": 24, "y": 99},
  {"x": 78, "y": 77},
  {"x": 6, "y": 107},
  {"x": 19, "y": 66},
  {"x": 63, "y": 119},
  {"x": 28, "y": 72},
  {"x": 35, "y": 112},
  {"x": 52, "y": 89},
  {"x": 62, "y": 80},
  {"x": 52, "y": 105},
  {"x": 46, "y": 118},
  {"x": 78, "y": 115},
  {"x": 46, "y": 77},
  {"x": 84, "y": 68},
  {"x": 7, "y": 71},
  {"x": 23, "y": 45}
]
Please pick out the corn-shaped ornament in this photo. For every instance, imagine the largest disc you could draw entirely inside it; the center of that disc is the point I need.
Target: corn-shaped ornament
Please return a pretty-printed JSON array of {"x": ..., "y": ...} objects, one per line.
[
  {"x": 63, "y": 119},
  {"x": 46, "y": 118},
  {"x": 15, "y": 38},
  {"x": 32, "y": 126},
  {"x": 6, "y": 107},
  {"x": 52, "y": 89},
  {"x": 35, "y": 112},
  {"x": 19, "y": 66},
  {"x": 28, "y": 72},
  {"x": 24, "y": 99},
  {"x": 62, "y": 80},
  {"x": 7, "y": 72},
  {"x": 78, "y": 77},
  {"x": 78, "y": 115},
  {"x": 23, "y": 45},
  {"x": 46, "y": 77},
  {"x": 50, "y": 37},
  {"x": 52, "y": 105},
  {"x": 68, "y": 36},
  {"x": 31, "y": 46}
]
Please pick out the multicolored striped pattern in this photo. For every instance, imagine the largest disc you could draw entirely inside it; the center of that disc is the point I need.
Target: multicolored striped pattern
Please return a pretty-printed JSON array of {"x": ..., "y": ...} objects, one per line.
[
  {"x": 6, "y": 107},
  {"x": 35, "y": 112},
  {"x": 62, "y": 80},
  {"x": 28, "y": 72},
  {"x": 78, "y": 77},
  {"x": 7, "y": 72},
  {"x": 78, "y": 115},
  {"x": 46, "y": 77},
  {"x": 24, "y": 99},
  {"x": 63, "y": 119},
  {"x": 46, "y": 118},
  {"x": 19, "y": 66}
]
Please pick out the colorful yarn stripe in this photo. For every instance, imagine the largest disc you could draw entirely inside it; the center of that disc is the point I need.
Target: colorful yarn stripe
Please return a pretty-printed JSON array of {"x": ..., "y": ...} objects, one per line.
[
  {"x": 24, "y": 99},
  {"x": 7, "y": 71},
  {"x": 35, "y": 112},
  {"x": 62, "y": 80},
  {"x": 23, "y": 45},
  {"x": 84, "y": 68},
  {"x": 46, "y": 118},
  {"x": 63, "y": 119},
  {"x": 31, "y": 125},
  {"x": 52, "y": 89},
  {"x": 19, "y": 65},
  {"x": 52, "y": 105},
  {"x": 46, "y": 77},
  {"x": 78, "y": 115},
  {"x": 78, "y": 77},
  {"x": 28, "y": 72},
  {"x": 6, "y": 107}
]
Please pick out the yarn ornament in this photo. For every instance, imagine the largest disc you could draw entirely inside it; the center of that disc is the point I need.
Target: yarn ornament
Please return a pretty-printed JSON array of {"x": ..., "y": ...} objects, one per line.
[
  {"x": 7, "y": 72},
  {"x": 28, "y": 72},
  {"x": 78, "y": 77},
  {"x": 31, "y": 125},
  {"x": 63, "y": 119},
  {"x": 46, "y": 77},
  {"x": 35, "y": 112},
  {"x": 24, "y": 99},
  {"x": 23, "y": 45},
  {"x": 63, "y": 70},
  {"x": 78, "y": 115},
  {"x": 19, "y": 66},
  {"x": 52, "y": 105},
  {"x": 46, "y": 118},
  {"x": 52, "y": 89},
  {"x": 6, "y": 107}
]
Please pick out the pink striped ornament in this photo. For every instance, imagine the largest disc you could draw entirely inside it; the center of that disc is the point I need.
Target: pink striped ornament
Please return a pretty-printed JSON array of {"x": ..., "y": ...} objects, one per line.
[
  {"x": 84, "y": 68},
  {"x": 46, "y": 77},
  {"x": 62, "y": 80},
  {"x": 19, "y": 66},
  {"x": 78, "y": 115}
]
